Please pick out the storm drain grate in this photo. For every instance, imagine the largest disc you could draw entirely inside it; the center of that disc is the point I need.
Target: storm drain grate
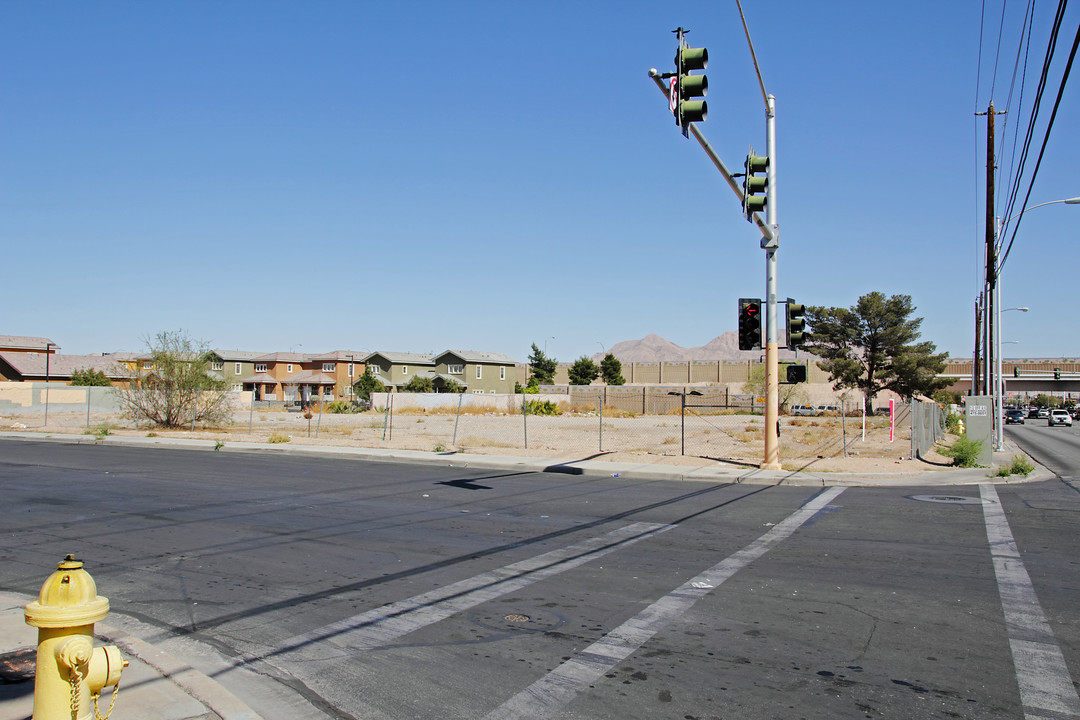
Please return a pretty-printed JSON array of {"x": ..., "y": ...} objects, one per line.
[{"x": 516, "y": 617}]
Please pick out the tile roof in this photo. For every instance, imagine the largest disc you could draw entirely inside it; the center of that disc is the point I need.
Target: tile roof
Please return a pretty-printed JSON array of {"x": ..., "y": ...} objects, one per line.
[
  {"x": 343, "y": 355},
  {"x": 475, "y": 356},
  {"x": 401, "y": 358},
  {"x": 61, "y": 366},
  {"x": 308, "y": 377},
  {"x": 238, "y": 355},
  {"x": 285, "y": 357},
  {"x": 25, "y": 342}
]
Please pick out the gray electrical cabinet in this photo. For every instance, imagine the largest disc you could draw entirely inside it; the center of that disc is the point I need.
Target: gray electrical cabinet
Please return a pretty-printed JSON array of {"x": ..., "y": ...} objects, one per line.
[{"x": 979, "y": 425}]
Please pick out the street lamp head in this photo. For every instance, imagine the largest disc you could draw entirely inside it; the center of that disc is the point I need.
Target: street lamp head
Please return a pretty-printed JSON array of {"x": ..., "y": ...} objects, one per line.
[
  {"x": 1023, "y": 309},
  {"x": 1073, "y": 201}
]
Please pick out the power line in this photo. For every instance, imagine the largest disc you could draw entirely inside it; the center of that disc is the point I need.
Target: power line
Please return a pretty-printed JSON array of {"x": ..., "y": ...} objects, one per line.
[
  {"x": 1046, "y": 138},
  {"x": 1036, "y": 105}
]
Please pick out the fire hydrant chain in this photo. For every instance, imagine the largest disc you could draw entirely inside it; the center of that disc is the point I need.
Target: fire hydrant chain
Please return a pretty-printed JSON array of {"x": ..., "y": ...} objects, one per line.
[{"x": 76, "y": 681}]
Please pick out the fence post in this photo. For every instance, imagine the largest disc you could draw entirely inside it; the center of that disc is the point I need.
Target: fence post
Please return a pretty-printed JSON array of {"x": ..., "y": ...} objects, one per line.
[
  {"x": 195, "y": 409},
  {"x": 525, "y": 418},
  {"x": 88, "y": 406},
  {"x": 461, "y": 396},
  {"x": 251, "y": 411}
]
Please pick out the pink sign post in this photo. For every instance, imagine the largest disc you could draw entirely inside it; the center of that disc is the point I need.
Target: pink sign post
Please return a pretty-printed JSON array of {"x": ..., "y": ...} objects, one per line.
[{"x": 892, "y": 419}]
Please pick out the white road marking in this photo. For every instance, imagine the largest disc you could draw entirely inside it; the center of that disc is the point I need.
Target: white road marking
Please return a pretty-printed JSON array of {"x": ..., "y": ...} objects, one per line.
[
  {"x": 387, "y": 623},
  {"x": 1046, "y": 688},
  {"x": 556, "y": 689}
]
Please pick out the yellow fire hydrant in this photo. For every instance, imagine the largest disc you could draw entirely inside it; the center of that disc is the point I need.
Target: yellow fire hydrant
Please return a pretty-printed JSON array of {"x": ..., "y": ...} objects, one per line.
[{"x": 70, "y": 671}]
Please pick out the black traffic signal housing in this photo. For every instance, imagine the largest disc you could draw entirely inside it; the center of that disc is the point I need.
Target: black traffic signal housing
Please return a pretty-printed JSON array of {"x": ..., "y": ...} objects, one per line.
[
  {"x": 1016, "y": 371},
  {"x": 1057, "y": 373},
  {"x": 686, "y": 87},
  {"x": 749, "y": 324},
  {"x": 755, "y": 184},
  {"x": 796, "y": 374},
  {"x": 796, "y": 325}
]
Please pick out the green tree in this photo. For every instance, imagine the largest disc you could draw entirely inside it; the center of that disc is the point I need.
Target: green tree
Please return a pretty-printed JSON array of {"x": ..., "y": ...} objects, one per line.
[
  {"x": 367, "y": 384},
  {"x": 419, "y": 384},
  {"x": 451, "y": 385},
  {"x": 543, "y": 368},
  {"x": 611, "y": 370},
  {"x": 757, "y": 385},
  {"x": 88, "y": 376},
  {"x": 873, "y": 346},
  {"x": 583, "y": 371},
  {"x": 180, "y": 388}
]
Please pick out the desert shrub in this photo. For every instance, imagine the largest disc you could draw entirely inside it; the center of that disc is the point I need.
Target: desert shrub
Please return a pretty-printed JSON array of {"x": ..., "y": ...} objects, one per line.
[
  {"x": 278, "y": 438},
  {"x": 952, "y": 423},
  {"x": 342, "y": 407},
  {"x": 964, "y": 452},
  {"x": 541, "y": 407},
  {"x": 1019, "y": 465}
]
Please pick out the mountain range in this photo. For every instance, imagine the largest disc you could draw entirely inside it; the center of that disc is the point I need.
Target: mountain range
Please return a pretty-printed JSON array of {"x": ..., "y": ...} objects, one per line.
[{"x": 653, "y": 348}]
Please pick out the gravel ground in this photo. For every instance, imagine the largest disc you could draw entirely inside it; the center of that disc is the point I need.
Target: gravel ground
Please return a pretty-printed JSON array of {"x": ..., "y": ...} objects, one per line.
[{"x": 822, "y": 444}]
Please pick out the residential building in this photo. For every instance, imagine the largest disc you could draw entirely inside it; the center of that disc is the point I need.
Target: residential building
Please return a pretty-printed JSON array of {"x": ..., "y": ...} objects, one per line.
[
  {"x": 232, "y": 366},
  {"x": 477, "y": 372},
  {"x": 344, "y": 366},
  {"x": 25, "y": 344},
  {"x": 32, "y": 367},
  {"x": 394, "y": 369}
]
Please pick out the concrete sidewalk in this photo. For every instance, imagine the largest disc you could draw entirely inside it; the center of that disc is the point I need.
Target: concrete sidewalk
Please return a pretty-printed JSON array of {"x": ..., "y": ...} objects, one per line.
[{"x": 206, "y": 686}]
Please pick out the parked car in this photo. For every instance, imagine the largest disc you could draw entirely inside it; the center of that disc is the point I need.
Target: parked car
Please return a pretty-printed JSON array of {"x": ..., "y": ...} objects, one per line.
[
  {"x": 828, "y": 409},
  {"x": 1058, "y": 417},
  {"x": 1014, "y": 417},
  {"x": 803, "y": 410}
]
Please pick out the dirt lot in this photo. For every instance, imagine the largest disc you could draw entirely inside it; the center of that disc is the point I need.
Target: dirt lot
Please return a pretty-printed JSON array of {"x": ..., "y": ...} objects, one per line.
[{"x": 821, "y": 444}]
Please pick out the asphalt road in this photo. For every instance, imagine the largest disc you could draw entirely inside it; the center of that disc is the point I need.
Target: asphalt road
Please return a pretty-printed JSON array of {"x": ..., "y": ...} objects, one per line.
[
  {"x": 397, "y": 591},
  {"x": 1056, "y": 448}
]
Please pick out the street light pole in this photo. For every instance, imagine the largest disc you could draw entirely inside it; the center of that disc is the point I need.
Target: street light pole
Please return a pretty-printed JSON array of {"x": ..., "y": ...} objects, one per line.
[
  {"x": 999, "y": 433},
  {"x": 48, "y": 345}
]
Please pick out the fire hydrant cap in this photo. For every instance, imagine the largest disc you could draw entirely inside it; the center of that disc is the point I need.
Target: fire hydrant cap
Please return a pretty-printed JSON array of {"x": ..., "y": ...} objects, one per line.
[{"x": 68, "y": 599}]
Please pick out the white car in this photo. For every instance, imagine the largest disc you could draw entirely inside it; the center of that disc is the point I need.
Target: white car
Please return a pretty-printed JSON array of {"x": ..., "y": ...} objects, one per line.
[{"x": 1059, "y": 417}]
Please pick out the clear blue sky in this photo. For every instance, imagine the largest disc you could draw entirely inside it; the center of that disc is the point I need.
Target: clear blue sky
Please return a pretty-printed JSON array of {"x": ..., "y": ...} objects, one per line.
[{"x": 484, "y": 175}]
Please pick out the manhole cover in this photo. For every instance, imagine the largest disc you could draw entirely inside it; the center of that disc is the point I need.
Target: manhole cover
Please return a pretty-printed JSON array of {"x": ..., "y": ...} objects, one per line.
[
  {"x": 515, "y": 617},
  {"x": 17, "y": 666},
  {"x": 948, "y": 499}
]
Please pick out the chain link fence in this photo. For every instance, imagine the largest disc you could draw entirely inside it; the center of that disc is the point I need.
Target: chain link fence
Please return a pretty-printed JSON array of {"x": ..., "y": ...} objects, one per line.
[{"x": 700, "y": 422}]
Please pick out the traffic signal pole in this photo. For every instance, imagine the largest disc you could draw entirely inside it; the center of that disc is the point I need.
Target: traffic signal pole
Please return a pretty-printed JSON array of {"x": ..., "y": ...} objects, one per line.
[
  {"x": 772, "y": 337},
  {"x": 767, "y": 232}
]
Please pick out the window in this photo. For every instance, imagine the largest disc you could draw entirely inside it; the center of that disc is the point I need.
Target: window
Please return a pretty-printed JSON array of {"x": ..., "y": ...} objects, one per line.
[
  {"x": 260, "y": 367},
  {"x": 455, "y": 369},
  {"x": 350, "y": 369},
  {"x": 217, "y": 365},
  {"x": 148, "y": 365},
  {"x": 479, "y": 371},
  {"x": 404, "y": 369},
  {"x": 237, "y": 368},
  {"x": 328, "y": 367},
  {"x": 288, "y": 368},
  {"x": 477, "y": 392},
  {"x": 502, "y": 373}
]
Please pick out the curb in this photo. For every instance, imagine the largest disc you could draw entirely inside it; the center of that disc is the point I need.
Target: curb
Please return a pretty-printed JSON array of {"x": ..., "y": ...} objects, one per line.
[{"x": 595, "y": 468}]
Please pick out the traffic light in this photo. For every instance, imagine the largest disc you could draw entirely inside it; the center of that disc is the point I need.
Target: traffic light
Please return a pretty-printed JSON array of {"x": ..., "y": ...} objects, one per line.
[
  {"x": 754, "y": 184},
  {"x": 1057, "y": 373},
  {"x": 749, "y": 324},
  {"x": 796, "y": 374},
  {"x": 685, "y": 87},
  {"x": 795, "y": 324}
]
